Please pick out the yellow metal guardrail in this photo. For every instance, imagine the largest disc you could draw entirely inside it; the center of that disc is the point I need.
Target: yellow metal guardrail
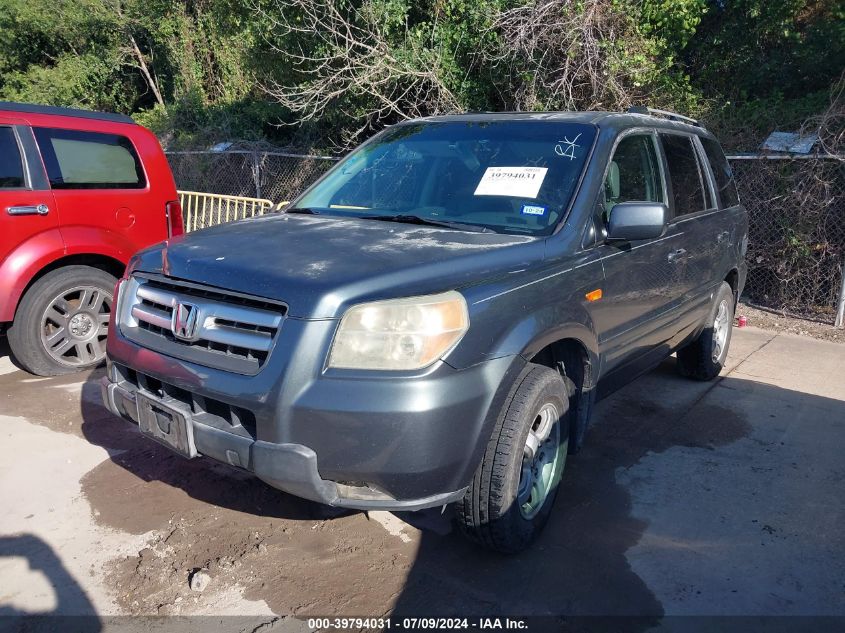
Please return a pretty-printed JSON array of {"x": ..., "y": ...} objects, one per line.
[{"x": 201, "y": 210}]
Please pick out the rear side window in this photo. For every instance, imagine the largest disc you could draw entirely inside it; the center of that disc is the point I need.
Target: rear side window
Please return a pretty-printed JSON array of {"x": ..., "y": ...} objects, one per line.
[
  {"x": 684, "y": 174},
  {"x": 725, "y": 184},
  {"x": 11, "y": 166},
  {"x": 89, "y": 160}
]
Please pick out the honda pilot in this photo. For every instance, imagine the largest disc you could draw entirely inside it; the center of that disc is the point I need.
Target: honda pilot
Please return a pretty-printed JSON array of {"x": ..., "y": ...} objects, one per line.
[{"x": 432, "y": 321}]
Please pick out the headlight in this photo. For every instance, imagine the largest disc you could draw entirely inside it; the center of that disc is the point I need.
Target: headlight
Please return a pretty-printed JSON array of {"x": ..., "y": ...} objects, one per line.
[{"x": 398, "y": 334}]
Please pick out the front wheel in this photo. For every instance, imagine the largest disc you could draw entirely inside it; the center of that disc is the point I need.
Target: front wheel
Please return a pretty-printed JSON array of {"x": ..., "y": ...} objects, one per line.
[
  {"x": 512, "y": 493},
  {"x": 62, "y": 321}
]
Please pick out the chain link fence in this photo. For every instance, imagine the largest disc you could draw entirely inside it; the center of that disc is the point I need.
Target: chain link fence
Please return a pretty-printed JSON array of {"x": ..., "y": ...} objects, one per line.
[
  {"x": 796, "y": 250},
  {"x": 796, "y": 241},
  {"x": 276, "y": 176}
]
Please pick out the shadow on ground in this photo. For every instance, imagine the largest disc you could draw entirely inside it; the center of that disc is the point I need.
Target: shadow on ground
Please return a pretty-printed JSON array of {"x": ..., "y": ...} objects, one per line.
[
  {"x": 6, "y": 353},
  {"x": 69, "y": 595},
  {"x": 578, "y": 567}
]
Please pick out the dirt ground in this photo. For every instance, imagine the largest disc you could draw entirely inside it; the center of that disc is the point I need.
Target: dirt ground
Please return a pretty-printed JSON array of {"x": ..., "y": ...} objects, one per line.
[
  {"x": 785, "y": 324},
  {"x": 718, "y": 498}
]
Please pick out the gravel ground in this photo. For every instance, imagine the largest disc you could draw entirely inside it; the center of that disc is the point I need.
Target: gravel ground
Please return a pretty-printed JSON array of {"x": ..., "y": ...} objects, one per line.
[{"x": 778, "y": 322}]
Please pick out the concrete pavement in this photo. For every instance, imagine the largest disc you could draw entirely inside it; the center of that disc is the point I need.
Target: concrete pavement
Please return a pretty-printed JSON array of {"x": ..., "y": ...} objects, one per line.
[{"x": 718, "y": 498}]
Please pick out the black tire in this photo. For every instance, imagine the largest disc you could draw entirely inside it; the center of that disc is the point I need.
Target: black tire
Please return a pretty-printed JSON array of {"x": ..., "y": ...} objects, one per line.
[
  {"x": 702, "y": 359},
  {"x": 32, "y": 328},
  {"x": 489, "y": 513}
]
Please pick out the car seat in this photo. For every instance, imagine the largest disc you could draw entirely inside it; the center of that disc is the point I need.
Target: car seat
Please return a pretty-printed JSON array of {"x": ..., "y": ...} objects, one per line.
[{"x": 611, "y": 188}]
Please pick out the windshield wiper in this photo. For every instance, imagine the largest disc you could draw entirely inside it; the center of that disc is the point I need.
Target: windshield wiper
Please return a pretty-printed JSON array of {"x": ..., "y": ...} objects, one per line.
[
  {"x": 305, "y": 210},
  {"x": 416, "y": 219}
]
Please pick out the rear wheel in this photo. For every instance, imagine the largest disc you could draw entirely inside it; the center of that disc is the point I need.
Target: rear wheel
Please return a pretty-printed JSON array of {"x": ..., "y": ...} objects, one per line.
[
  {"x": 62, "y": 321},
  {"x": 705, "y": 357},
  {"x": 512, "y": 493}
]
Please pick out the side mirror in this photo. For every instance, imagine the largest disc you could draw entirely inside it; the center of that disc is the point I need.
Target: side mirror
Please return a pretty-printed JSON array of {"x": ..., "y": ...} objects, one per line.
[{"x": 631, "y": 221}]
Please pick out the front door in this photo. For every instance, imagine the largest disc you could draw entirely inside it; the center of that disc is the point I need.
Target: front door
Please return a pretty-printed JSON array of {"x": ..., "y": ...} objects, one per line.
[{"x": 642, "y": 280}]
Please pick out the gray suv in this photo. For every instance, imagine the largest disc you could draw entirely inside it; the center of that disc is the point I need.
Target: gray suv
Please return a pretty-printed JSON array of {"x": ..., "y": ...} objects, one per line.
[{"x": 432, "y": 321}]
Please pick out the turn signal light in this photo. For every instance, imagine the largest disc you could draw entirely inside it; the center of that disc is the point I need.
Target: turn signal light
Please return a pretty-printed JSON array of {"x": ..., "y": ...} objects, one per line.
[{"x": 594, "y": 295}]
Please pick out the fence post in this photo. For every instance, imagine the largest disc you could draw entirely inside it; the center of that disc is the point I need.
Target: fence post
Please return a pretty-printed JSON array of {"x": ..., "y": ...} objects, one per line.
[
  {"x": 256, "y": 174},
  {"x": 840, "y": 312}
]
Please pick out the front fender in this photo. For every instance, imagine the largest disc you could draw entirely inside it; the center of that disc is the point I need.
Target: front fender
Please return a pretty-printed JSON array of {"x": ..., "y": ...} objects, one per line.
[
  {"x": 531, "y": 314},
  {"x": 22, "y": 264}
]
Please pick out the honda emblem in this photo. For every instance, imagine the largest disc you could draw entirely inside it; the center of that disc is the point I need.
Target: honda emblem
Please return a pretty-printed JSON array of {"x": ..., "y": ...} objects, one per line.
[{"x": 185, "y": 320}]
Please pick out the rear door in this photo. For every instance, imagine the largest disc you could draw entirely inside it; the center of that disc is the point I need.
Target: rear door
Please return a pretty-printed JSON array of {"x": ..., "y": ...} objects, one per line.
[
  {"x": 99, "y": 185},
  {"x": 729, "y": 230},
  {"x": 27, "y": 207},
  {"x": 697, "y": 216}
]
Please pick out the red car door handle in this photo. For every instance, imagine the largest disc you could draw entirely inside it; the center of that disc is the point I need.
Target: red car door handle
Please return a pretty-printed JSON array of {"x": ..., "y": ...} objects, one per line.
[
  {"x": 677, "y": 255},
  {"x": 30, "y": 209}
]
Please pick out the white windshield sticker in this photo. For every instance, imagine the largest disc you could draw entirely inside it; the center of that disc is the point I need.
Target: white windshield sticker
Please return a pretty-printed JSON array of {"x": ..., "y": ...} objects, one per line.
[{"x": 516, "y": 182}]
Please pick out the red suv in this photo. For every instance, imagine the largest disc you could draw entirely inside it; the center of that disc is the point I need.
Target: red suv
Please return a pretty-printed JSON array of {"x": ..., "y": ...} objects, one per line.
[{"x": 80, "y": 192}]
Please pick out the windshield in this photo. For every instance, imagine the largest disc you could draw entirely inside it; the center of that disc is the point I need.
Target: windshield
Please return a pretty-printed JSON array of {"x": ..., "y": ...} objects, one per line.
[{"x": 508, "y": 176}]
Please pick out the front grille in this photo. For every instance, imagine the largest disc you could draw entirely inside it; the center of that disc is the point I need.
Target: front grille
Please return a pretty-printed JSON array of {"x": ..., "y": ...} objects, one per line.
[{"x": 223, "y": 330}]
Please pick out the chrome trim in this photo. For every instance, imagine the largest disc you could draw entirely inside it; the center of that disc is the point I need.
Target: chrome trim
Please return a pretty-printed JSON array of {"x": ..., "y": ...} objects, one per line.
[
  {"x": 34, "y": 209},
  {"x": 158, "y": 318},
  {"x": 210, "y": 308},
  {"x": 247, "y": 333}
]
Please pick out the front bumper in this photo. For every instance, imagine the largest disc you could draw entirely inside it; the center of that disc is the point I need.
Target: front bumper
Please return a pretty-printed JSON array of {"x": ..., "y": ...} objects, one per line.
[{"x": 365, "y": 442}]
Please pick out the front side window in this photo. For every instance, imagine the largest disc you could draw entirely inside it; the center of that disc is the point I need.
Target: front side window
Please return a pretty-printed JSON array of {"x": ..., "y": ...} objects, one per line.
[
  {"x": 684, "y": 174},
  {"x": 633, "y": 173},
  {"x": 504, "y": 176},
  {"x": 11, "y": 166},
  {"x": 725, "y": 184},
  {"x": 89, "y": 160}
]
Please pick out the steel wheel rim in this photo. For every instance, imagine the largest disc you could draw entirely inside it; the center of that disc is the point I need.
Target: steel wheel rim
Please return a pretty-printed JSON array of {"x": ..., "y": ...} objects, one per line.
[
  {"x": 720, "y": 330},
  {"x": 540, "y": 462},
  {"x": 75, "y": 324}
]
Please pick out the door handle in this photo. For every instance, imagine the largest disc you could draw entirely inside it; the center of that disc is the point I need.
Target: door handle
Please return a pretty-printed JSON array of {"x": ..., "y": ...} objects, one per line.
[
  {"x": 721, "y": 237},
  {"x": 677, "y": 255},
  {"x": 31, "y": 209}
]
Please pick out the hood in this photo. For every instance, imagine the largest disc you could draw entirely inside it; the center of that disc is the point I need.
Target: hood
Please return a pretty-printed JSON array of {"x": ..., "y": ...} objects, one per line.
[{"x": 321, "y": 265}]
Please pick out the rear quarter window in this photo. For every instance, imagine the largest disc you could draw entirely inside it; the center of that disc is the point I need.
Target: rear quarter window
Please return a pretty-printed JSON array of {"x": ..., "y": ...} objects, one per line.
[
  {"x": 89, "y": 160},
  {"x": 725, "y": 183}
]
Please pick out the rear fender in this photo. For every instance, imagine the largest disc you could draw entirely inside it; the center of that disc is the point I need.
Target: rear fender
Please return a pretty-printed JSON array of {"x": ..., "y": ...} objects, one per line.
[
  {"x": 90, "y": 240},
  {"x": 22, "y": 265}
]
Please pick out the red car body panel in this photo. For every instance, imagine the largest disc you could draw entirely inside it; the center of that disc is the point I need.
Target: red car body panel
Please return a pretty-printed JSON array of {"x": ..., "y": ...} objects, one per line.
[
  {"x": 111, "y": 223},
  {"x": 20, "y": 266}
]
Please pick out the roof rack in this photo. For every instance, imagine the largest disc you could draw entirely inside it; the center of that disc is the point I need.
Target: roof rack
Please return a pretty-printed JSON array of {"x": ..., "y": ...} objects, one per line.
[
  {"x": 30, "y": 108},
  {"x": 672, "y": 116}
]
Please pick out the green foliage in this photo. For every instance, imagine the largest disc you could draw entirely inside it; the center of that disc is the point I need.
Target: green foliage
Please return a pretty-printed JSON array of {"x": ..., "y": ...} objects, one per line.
[
  {"x": 191, "y": 123},
  {"x": 64, "y": 53},
  {"x": 746, "y": 50},
  {"x": 195, "y": 71},
  {"x": 741, "y": 127},
  {"x": 674, "y": 22}
]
